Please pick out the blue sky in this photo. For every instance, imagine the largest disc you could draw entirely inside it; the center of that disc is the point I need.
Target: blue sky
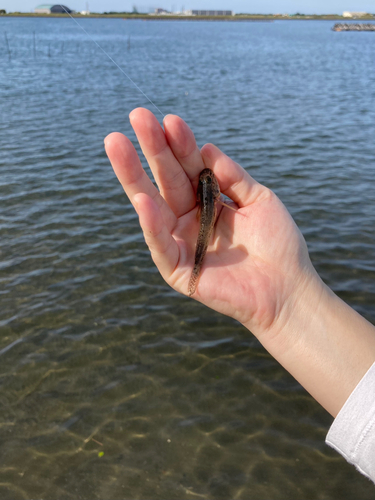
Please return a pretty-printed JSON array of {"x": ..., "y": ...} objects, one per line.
[{"x": 255, "y": 6}]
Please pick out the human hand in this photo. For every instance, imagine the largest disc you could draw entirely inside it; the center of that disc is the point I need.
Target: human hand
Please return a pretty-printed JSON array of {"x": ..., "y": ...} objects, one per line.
[
  {"x": 257, "y": 268},
  {"x": 257, "y": 264}
]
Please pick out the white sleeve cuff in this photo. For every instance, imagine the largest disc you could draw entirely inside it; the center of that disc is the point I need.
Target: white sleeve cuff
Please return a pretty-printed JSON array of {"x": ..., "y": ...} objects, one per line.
[{"x": 352, "y": 433}]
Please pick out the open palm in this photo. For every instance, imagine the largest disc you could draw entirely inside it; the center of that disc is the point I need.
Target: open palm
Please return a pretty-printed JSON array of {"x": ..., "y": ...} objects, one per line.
[{"x": 256, "y": 255}]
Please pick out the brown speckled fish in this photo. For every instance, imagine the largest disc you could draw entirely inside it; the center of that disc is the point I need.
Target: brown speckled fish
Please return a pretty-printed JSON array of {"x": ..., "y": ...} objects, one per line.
[{"x": 207, "y": 194}]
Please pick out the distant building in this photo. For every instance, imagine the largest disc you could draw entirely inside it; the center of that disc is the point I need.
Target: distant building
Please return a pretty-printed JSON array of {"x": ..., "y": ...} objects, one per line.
[
  {"x": 87, "y": 11},
  {"x": 52, "y": 9},
  {"x": 158, "y": 12},
  {"x": 43, "y": 9},
  {"x": 354, "y": 14},
  {"x": 211, "y": 12},
  {"x": 60, "y": 9}
]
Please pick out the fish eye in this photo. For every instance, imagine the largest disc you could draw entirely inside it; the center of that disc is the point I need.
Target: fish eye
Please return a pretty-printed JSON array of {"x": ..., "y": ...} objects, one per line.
[{"x": 209, "y": 180}]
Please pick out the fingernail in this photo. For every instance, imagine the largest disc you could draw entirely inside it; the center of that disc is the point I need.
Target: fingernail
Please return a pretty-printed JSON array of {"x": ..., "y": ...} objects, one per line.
[
  {"x": 166, "y": 116},
  {"x": 130, "y": 115}
]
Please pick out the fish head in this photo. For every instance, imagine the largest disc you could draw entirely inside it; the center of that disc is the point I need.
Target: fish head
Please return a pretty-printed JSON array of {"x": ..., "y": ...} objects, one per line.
[{"x": 208, "y": 184}]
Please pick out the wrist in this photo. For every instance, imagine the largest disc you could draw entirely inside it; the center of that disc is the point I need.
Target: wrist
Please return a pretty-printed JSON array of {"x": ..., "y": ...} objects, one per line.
[
  {"x": 323, "y": 343},
  {"x": 299, "y": 337},
  {"x": 298, "y": 317}
]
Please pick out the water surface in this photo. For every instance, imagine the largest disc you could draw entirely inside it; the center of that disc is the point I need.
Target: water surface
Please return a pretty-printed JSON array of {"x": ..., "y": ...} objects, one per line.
[{"x": 112, "y": 385}]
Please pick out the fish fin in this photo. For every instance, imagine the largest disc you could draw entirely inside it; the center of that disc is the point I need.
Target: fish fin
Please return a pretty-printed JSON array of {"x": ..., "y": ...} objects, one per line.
[
  {"x": 231, "y": 208},
  {"x": 199, "y": 211}
]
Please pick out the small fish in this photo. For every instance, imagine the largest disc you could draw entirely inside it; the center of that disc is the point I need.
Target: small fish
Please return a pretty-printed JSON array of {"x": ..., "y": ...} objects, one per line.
[{"x": 208, "y": 193}]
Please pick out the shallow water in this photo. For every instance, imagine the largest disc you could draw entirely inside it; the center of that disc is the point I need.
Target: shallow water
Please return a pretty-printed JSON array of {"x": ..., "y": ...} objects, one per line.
[{"x": 112, "y": 385}]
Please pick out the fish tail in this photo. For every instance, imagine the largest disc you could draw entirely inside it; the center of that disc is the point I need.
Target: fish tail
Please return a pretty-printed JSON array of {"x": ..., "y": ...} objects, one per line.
[{"x": 193, "y": 280}]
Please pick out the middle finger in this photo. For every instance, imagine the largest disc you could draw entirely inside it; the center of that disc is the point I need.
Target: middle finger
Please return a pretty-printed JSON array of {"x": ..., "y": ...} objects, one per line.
[{"x": 175, "y": 180}]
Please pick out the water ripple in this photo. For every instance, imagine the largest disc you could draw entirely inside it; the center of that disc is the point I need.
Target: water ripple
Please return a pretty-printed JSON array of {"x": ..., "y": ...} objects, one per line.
[{"x": 114, "y": 386}]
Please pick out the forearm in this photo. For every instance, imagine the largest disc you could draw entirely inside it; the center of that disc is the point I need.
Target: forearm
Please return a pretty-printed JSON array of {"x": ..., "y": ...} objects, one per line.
[{"x": 323, "y": 343}]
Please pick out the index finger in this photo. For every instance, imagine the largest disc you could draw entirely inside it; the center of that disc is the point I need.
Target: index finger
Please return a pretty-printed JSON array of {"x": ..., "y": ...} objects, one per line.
[
  {"x": 133, "y": 178},
  {"x": 164, "y": 153}
]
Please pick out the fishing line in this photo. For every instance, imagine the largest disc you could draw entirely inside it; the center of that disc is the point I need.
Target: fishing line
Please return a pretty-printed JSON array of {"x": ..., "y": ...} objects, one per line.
[{"x": 114, "y": 62}]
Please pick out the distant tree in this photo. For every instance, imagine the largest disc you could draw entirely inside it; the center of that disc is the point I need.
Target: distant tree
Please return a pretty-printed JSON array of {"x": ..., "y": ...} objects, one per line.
[
  {"x": 135, "y": 10},
  {"x": 3, "y": 11}
]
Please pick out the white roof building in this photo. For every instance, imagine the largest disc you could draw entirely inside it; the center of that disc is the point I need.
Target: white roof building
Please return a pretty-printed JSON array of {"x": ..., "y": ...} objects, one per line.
[
  {"x": 161, "y": 11},
  {"x": 43, "y": 9},
  {"x": 354, "y": 14}
]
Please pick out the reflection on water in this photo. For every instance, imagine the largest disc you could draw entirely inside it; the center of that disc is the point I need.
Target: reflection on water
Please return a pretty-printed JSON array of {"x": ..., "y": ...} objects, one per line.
[{"x": 114, "y": 386}]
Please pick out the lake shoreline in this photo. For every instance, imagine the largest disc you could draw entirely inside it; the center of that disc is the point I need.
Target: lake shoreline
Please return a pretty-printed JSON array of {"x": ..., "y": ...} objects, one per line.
[{"x": 238, "y": 18}]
